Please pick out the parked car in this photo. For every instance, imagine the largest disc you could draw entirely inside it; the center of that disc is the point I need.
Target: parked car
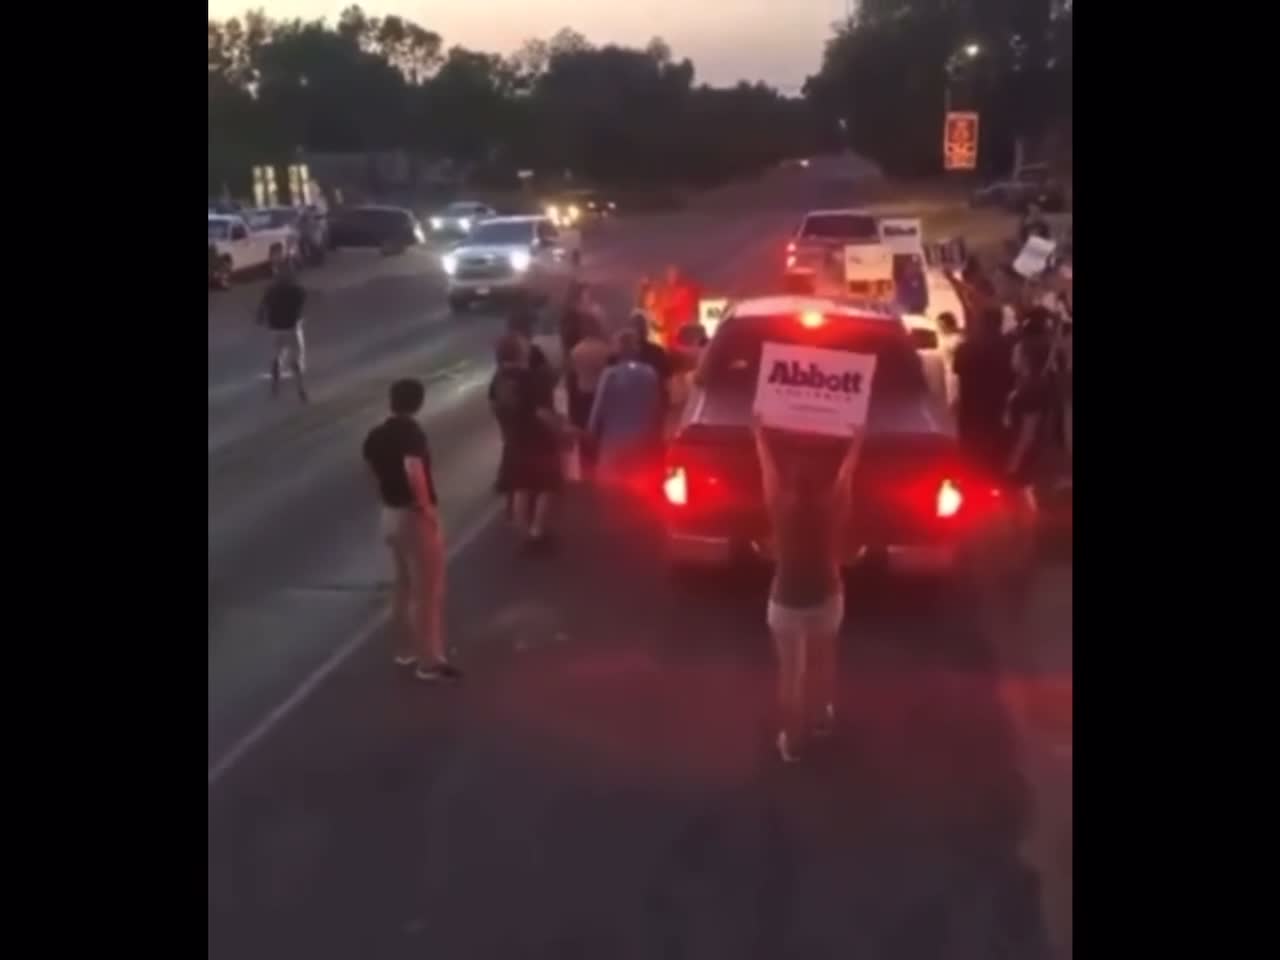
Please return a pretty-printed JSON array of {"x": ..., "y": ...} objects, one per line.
[
  {"x": 243, "y": 248},
  {"x": 460, "y": 217},
  {"x": 393, "y": 230},
  {"x": 1031, "y": 184}
]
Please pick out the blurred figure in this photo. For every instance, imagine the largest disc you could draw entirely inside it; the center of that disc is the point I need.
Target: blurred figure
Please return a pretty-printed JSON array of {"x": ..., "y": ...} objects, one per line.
[
  {"x": 949, "y": 340},
  {"x": 808, "y": 501},
  {"x": 983, "y": 368},
  {"x": 1031, "y": 409},
  {"x": 586, "y": 365},
  {"x": 530, "y": 469},
  {"x": 677, "y": 304},
  {"x": 1034, "y": 225},
  {"x": 281, "y": 313},
  {"x": 626, "y": 417}
]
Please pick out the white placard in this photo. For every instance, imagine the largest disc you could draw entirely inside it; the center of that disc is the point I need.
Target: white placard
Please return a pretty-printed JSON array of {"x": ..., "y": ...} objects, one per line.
[
  {"x": 867, "y": 263},
  {"x": 904, "y": 235},
  {"x": 710, "y": 313},
  {"x": 813, "y": 390},
  {"x": 1033, "y": 259}
]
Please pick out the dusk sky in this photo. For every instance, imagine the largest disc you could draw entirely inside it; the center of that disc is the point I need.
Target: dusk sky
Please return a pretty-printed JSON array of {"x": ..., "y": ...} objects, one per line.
[{"x": 777, "y": 41}]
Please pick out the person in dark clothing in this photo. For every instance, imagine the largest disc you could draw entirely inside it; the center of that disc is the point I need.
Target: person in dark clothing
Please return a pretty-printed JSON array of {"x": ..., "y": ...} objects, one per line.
[
  {"x": 399, "y": 462},
  {"x": 530, "y": 469},
  {"x": 984, "y": 376},
  {"x": 1034, "y": 225},
  {"x": 281, "y": 313},
  {"x": 808, "y": 501}
]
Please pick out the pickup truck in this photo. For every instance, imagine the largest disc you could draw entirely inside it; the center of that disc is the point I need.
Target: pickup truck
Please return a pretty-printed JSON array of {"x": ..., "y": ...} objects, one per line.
[
  {"x": 913, "y": 496},
  {"x": 240, "y": 249}
]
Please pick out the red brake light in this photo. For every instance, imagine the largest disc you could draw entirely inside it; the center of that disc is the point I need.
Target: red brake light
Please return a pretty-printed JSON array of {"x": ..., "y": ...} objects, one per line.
[
  {"x": 950, "y": 499},
  {"x": 791, "y": 247},
  {"x": 812, "y": 319},
  {"x": 676, "y": 487},
  {"x": 791, "y": 260}
]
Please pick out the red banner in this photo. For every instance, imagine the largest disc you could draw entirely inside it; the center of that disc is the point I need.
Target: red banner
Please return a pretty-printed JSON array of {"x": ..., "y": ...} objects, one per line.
[{"x": 960, "y": 142}]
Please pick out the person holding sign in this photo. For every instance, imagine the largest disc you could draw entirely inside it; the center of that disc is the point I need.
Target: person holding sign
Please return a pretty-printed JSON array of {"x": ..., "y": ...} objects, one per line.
[{"x": 808, "y": 502}]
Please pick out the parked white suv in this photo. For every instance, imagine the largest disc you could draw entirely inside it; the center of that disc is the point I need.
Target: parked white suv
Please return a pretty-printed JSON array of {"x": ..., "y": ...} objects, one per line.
[{"x": 527, "y": 258}]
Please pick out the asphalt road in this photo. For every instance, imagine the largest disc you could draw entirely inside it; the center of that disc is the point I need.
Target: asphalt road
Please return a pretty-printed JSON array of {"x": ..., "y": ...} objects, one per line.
[{"x": 602, "y": 784}]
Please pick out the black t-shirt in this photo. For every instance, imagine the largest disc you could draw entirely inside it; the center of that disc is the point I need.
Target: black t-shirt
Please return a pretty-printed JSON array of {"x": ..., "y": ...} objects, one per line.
[
  {"x": 516, "y": 394},
  {"x": 984, "y": 367},
  {"x": 385, "y": 450},
  {"x": 282, "y": 305}
]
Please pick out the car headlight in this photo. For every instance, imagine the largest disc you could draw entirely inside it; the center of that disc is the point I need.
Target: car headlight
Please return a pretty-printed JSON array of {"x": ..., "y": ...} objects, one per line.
[
  {"x": 437, "y": 223},
  {"x": 520, "y": 260},
  {"x": 450, "y": 264},
  {"x": 465, "y": 224},
  {"x": 574, "y": 214}
]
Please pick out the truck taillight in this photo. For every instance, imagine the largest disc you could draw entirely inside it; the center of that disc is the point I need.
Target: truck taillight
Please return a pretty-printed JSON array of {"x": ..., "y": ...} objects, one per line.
[
  {"x": 791, "y": 247},
  {"x": 950, "y": 500},
  {"x": 676, "y": 487}
]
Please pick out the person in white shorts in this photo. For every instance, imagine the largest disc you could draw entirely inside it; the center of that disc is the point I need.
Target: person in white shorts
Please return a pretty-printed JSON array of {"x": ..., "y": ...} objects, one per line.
[{"x": 808, "y": 505}]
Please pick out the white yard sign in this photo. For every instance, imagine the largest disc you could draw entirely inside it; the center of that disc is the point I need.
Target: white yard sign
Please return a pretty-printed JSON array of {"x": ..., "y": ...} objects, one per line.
[
  {"x": 710, "y": 313},
  {"x": 1034, "y": 257},
  {"x": 903, "y": 235},
  {"x": 813, "y": 390},
  {"x": 867, "y": 263}
]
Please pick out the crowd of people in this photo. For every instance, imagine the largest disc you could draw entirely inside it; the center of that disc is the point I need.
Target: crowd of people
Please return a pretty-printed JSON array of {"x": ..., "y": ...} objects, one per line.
[{"x": 1008, "y": 378}]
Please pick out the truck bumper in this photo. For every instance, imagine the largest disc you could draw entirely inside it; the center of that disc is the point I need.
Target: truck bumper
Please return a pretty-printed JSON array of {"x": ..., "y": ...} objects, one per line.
[{"x": 720, "y": 552}]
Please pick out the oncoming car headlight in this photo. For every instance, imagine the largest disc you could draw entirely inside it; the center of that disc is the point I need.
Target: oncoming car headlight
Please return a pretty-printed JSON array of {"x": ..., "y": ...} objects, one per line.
[
  {"x": 450, "y": 264},
  {"x": 574, "y": 214},
  {"x": 465, "y": 224},
  {"x": 437, "y": 223},
  {"x": 520, "y": 260}
]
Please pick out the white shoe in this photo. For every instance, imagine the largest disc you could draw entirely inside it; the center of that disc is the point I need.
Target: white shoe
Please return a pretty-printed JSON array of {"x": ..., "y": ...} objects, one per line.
[{"x": 784, "y": 748}]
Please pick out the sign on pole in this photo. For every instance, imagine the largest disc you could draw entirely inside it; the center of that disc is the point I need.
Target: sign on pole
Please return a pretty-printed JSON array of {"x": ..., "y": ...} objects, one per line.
[
  {"x": 813, "y": 390},
  {"x": 960, "y": 141}
]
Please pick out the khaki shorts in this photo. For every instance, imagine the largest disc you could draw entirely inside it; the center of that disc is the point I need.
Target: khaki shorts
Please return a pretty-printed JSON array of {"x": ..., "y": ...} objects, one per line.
[{"x": 289, "y": 347}]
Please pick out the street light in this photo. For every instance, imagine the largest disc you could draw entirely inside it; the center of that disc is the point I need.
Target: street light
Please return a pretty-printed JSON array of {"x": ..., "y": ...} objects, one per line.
[{"x": 970, "y": 51}]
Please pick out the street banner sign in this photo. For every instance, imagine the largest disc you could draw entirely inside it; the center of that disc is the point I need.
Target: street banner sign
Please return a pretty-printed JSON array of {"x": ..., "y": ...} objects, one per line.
[{"x": 960, "y": 141}]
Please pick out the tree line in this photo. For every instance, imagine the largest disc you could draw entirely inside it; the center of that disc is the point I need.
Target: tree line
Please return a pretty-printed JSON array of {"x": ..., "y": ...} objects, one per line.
[
  {"x": 607, "y": 114},
  {"x": 890, "y": 70},
  {"x": 614, "y": 114}
]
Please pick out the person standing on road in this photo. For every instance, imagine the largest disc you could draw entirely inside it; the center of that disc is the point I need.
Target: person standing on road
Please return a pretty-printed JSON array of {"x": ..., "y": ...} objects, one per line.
[
  {"x": 808, "y": 503},
  {"x": 588, "y": 361},
  {"x": 949, "y": 340},
  {"x": 530, "y": 470},
  {"x": 983, "y": 370},
  {"x": 677, "y": 304},
  {"x": 281, "y": 313},
  {"x": 626, "y": 417},
  {"x": 399, "y": 461}
]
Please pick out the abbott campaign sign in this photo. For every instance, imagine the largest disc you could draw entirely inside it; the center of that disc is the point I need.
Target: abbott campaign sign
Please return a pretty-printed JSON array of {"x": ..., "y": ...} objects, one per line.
[{"x": 812, "y": 390}]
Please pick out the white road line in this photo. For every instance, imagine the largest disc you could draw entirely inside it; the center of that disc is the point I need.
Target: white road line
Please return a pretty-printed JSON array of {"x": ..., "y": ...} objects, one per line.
[{"x": 335, "y": 660}]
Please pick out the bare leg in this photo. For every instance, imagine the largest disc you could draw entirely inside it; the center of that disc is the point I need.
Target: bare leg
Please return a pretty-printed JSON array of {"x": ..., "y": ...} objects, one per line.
[
  {"x": 791, "y": 679},
  {"x": 521, "y": 507},
  {"x": 431, "y": 598},
  {"x": 542, "y": 504},
  {"x": 400, "y": 591},
  {"x": 822, "y": 677}
]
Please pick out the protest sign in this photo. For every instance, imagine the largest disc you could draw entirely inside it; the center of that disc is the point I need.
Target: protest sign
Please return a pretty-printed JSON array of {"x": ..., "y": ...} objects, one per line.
[
  {"x": 710, "y": 313},
  {"x": 867, "y": 263},
  {"x": 813, "y": 390},
  {"x": 902, "y": 235},
  {"x": 1033, "y": 259}
]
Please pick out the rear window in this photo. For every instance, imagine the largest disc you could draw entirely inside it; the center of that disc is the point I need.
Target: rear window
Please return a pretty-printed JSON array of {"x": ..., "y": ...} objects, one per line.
[
  {"x": 840, "y": 226},
  {"x": 733, "y": 358},
  {"x": 510, "y": 231}
]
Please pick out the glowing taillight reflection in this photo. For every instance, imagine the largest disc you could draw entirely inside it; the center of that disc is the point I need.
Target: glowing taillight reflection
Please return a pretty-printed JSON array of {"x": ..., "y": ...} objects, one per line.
[
  {"x": 676, "y": 487},
  {"x": 950, "y": 500},
  {"x": 812, "y": 319},
  {"x": 791, "y": 260}
]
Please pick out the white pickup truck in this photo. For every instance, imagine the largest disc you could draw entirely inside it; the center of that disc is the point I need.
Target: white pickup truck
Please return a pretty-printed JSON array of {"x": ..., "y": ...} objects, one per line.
[{"x": 239, "y": 248}]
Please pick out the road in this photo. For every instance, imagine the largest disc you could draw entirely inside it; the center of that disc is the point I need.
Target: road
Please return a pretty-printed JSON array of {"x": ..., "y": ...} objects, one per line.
[{"x": 602, "y": 784}]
